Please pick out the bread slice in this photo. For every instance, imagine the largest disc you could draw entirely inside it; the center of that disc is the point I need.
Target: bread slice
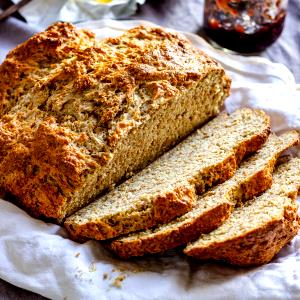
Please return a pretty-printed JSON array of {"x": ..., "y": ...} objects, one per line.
[
  {"x": 168, "y": 187},
  {"x": 78, "y": 115},
  {"x": 253, "y": 177},
  {"x": 257, "y": 231}
]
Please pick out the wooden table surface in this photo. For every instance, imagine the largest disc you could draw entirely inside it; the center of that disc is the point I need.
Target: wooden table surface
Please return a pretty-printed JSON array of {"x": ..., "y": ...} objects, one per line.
[{"x": 186, "y": 15}]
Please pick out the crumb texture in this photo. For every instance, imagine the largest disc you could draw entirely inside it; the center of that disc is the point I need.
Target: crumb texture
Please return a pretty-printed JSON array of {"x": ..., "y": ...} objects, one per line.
[
  {"x": 252, "y": 178},
  {"x": 168, "y": 187}
]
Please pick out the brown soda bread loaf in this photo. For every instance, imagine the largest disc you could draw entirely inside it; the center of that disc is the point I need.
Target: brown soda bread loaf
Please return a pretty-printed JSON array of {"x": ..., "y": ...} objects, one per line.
[{"x": 77, "y": 115}]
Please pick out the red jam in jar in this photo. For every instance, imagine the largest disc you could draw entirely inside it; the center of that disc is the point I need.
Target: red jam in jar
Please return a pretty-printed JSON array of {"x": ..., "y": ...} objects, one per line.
[{"x": 244, "y": 26}]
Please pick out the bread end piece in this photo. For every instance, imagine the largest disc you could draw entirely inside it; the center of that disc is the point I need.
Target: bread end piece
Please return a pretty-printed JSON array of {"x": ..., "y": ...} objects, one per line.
[{"x": 257, "y": 248}]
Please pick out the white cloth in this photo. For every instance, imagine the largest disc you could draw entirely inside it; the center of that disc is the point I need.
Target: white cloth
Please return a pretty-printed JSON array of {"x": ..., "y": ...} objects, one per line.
[{"x": 39, "y": 256}]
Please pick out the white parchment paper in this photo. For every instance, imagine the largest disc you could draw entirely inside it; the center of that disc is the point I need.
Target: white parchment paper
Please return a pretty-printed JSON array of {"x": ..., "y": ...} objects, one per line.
[{"x": 40, "y": 257}]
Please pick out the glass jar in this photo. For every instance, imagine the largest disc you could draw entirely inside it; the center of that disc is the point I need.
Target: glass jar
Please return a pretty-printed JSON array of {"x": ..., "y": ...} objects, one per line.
[{"x": 244, "y": 26}]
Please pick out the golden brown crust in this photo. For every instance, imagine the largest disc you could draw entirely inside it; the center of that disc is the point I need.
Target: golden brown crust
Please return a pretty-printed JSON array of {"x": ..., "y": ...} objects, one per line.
[
  {"x": 67, "y": 100},
  {"x": 43, "y": 169},
  {"x": 257, "y": 247},
  {"x": 32, "y": 60}
]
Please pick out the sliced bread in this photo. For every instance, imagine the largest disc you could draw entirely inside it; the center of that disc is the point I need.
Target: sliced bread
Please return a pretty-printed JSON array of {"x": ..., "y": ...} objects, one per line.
[
  {"x": 168, "y": 187},
  {"x": 256, "y": 231},
  {"x": 253, "y": 177}
]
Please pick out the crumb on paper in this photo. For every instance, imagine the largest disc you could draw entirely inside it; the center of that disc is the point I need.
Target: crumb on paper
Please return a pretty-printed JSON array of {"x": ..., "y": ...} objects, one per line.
[
  {"x": 117, "y": 282},
  {"x": 92, "y": 267},
  {"x": 77, "y": 254},
  {"x": 105, "y": 276}
]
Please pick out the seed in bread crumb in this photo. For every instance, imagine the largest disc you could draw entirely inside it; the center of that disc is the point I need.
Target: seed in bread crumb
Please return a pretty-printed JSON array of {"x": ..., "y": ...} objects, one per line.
[
  {"x": 77, "y": 254},
  {"x": 118, "y": 281}
]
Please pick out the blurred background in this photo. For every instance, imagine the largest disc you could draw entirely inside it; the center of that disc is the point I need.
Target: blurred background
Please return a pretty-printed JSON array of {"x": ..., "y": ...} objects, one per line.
[{"x": 183, "y": 15}]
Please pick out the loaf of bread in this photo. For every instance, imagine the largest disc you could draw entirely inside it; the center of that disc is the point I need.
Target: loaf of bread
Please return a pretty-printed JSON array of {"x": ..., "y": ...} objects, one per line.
[
  {"x": 78, "y": 115},
  {"x": 168, "y": 187},
  {"x": 252, "y": 178},
  {"x": 256, "y": 231}
]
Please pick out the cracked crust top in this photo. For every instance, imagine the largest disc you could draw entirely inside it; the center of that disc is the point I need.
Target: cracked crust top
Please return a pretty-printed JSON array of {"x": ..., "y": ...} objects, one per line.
[{"x": 66, "y": 100}]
